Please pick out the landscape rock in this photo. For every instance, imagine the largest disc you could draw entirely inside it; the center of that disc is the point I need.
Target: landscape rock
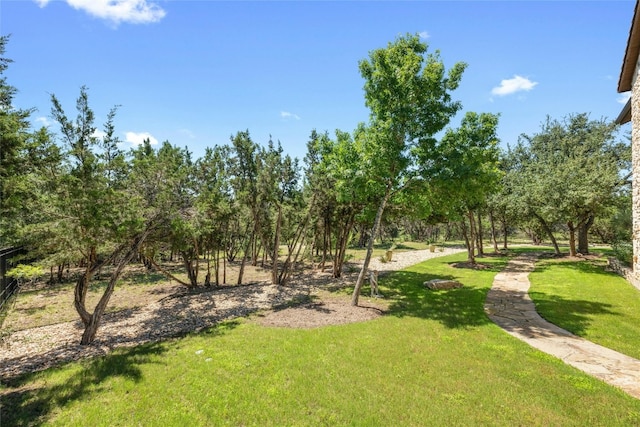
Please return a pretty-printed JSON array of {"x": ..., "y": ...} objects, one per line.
[{"x": 442, "y": 284}]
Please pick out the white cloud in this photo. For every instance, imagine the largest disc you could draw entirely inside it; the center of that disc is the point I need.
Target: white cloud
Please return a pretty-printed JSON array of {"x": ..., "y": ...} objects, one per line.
[
  {"x": 137, "y": 138},
  {"x": 624, "y": 97},
  {"x": 98, "y": 134},
  {"x": 188, "y": 133},
  {"x": 516, "y": 84},
  {"x": 424, "y": 35},
  {"x": 44, "y": 121},
  {"x": 117, "y": 11},
  {"x": 287, "y": 115}
]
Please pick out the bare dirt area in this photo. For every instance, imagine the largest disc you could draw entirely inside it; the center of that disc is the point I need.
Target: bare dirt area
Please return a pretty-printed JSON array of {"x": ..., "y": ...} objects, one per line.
[
  {"x": 147, "y": 312},
  {"x": 323, "y": 310}
]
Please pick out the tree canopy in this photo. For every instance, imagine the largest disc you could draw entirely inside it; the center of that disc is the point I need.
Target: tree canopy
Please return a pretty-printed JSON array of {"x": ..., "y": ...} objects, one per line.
[
  {"x": 568, "y": 173},
  {"x": 408, "y": 93},
  {"x": 76, "y": 196}
]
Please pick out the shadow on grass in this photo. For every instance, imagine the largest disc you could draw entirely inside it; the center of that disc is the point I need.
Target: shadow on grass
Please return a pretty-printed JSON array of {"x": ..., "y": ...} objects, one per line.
[
  {"x": 585, "y": 266},
  {"x": 455, "y": 308},
  {"x": 571, "y": 314},
  {"x": 32, "y": 399},
  {"x": 29, "y": 399}
]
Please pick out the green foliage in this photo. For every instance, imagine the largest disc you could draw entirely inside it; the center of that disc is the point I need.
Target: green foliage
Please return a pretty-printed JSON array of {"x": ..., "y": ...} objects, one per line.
[
  {"x": 408, "y": 95},
  {"x": 93, "y": 202},
  {"x": 569, "y": 172},
  {"x": 214, "y": 201},
  {"x": 25, "y": 272},
  {"x": 466, "y": 168},
  {"x": 623, "y": 251},
  {"x": 334, "y": 187},
  {"x": 15, "y": 138},
  {"x": 88, "y": 210}
]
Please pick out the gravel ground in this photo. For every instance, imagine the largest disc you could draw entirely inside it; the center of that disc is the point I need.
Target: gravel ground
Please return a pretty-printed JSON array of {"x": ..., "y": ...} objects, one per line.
[{"x": 174, "y": 315}]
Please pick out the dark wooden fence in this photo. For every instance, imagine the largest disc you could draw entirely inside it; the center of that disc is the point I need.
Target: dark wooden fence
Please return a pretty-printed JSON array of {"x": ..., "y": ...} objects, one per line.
[{"x": 8, "y": 285}]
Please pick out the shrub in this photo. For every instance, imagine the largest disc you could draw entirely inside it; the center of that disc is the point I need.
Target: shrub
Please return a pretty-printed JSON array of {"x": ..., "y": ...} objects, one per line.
[{"x": 623, "y": 251}]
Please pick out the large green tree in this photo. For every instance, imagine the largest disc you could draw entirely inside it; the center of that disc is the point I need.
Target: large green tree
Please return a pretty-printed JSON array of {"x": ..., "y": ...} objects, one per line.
[
  {"x": 98, "y": 216},
  {"x": 164, "y": 179},
  {"x": 15, "y": 135},
  {"x": 466, "y": 170},
  {"x": 568, "y": 172},
  {"x": 501, "y": 206},
  {"x": 244, "y": 168},
  {"x": 334, "y": 177},
  {"x": 214, "y": 208},
  {"x": 408, "y": 93}
]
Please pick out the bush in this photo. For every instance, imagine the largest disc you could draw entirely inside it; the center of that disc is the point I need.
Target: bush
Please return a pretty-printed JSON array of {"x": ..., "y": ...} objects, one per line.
[
  {"x": 623, "y": 251},
  {"x": 25, "y": 273}
]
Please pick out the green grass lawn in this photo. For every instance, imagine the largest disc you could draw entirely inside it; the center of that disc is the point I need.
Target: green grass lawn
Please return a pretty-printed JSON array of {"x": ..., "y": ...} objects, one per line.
[
  {"x": 434, "y": 360},
  {"x": 583, "y": 298}
]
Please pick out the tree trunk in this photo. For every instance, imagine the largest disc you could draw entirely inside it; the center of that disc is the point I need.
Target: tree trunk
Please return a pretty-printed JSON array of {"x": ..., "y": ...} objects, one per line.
[
  {"x": 80, "y": 296},
  {"x": 190, "y": 267},
  {"x": 298, "y": 243},
  {"x": 549, "y": 232},
  {"x": 276, "y": 248},
  {"x": 494, "y": 238},
  {"x": 311, "y": 249},
  {"x": 326, "y": 241},
  {"x": 447, "y": 232},
  {"x": 473, "y": 236},
  {"x": 254, "y": 253},
  {"x": 468, "y": 241},
  {"x": 82, "y": 285},
  {"x": 165, "y": 272},
  {"x": 341, "y": 245},
  {"x": 247, "y": 247},
  {"x": 479, "y": 236},
  {"x": 91, "y": 328},
  {"x": 60, "y": 272},
  {"x": 224, "y": 270},
  {"x": 362, "y": 242},
  {"x": 505, "y": 234},
  {"x": 244, "y": 260},
  {"x": 583, "y": 235},
  {"x": 367, "y": 258},
  {"x": 572, "y": 239},
  {"x": 207, "y": 278},
  {"x": 216, "y": 264}
]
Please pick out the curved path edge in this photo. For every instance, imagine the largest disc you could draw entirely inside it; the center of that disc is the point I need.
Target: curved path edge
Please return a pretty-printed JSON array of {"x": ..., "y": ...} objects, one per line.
[{"x": 509, "y": 306}]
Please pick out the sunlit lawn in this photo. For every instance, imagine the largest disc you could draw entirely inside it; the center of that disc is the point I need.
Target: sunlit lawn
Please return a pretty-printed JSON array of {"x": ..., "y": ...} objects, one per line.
[
  {"x": 434, "y": 360},
  {"x": 584, "y": 298}
]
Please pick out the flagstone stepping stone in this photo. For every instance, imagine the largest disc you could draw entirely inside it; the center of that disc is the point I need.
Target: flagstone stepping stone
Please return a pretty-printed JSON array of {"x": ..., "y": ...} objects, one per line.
[{"x": 442, "y": 284}]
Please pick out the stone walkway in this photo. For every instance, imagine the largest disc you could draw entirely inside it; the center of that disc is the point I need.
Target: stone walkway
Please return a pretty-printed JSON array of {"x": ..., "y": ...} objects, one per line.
[{"x": 509, "y": 306}]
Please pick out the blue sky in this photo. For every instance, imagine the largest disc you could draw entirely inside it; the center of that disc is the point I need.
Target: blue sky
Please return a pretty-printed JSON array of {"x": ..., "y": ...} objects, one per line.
[{"x": 196, "y": 72}]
